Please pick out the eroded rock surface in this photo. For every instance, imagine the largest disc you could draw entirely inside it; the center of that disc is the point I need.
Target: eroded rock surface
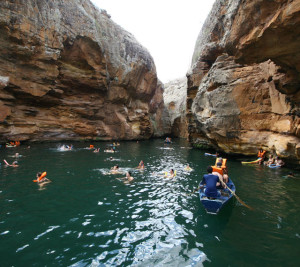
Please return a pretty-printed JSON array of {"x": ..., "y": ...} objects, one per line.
[
  {"x": 175, "y": 103},
  {"x": 244, "y": 83},
  {"x": 67, "y": 71}
]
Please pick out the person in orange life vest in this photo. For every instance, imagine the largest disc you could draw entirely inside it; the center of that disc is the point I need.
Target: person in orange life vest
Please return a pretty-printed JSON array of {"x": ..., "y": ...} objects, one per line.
[
  {"x": 43, "y": 180},
  {"x": 261, "y": 155},
  {"x": 221, "y": 168},
  {"x": 221, "y": 172}
]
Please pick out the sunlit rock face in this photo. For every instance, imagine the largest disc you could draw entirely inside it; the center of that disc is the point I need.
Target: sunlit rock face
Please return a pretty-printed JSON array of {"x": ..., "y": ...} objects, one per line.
[
  {"x": 243, "y": 86},
  {"x": 175, "y": 103},
  {"x": 67, "y": 71}
]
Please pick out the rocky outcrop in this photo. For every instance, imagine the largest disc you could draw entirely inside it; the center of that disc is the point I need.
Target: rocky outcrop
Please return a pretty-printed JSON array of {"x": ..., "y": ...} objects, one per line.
[
  {"x": 67, "y": 71},
  {"x": 175, "y": 103},
  {"x": 243, "y": 86}
]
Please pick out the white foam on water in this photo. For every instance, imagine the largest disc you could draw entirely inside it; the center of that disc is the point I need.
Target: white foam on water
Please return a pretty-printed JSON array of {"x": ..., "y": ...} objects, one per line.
[
  {"x": 21, "y": 248},
  {"x": 51, "y": 228}
]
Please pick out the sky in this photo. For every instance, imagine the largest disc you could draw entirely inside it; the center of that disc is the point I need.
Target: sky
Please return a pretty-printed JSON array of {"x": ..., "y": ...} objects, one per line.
[{"x": 167, "y": 28}]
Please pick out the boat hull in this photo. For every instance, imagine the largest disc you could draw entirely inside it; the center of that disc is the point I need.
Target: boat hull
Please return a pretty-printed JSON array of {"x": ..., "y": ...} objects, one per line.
[{"x": 214, "y": 205}]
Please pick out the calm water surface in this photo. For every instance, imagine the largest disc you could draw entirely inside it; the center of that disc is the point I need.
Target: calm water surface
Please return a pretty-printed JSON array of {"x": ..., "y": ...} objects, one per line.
[{"x": 87, "y": 218}]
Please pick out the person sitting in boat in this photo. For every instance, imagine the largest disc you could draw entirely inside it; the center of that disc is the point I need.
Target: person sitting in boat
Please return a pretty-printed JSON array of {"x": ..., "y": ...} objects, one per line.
[
  {"x": 270, "y": 161},
  {"x": 279, "y": 162},
  {"x": 212, "y": 182},
  {"x": 221, "y": 176},
  {"x": 261, "y": 155},
  {"x": 221, "y": 168},
  {"x": 141, "y": 165}
]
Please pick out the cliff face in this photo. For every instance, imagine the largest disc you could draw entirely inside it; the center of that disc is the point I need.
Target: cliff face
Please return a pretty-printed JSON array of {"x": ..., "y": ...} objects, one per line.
[
  {"x": 244, "y": 83},
  {"x": 175, "y": 103},
  {"x": 67, "y": 71}
]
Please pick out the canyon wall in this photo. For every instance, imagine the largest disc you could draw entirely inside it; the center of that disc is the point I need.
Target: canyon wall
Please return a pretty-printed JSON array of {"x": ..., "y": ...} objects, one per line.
[
  {"x": 175, "y": 103},
  {"x": 244, "y": 84},
  {"x": 68, "y": 72}
]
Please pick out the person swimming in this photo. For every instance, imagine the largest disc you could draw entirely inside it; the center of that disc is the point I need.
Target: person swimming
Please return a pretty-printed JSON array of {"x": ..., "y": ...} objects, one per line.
[
  {"x": 14, "y": 164},
  {"x": 188, "y": 168},
  {"x": 128, "y": 178},
  {"x": 170, "y": 175},
  {"x": 141, "y": 165},
  {"x": 41, "y": 178},
  {"x": 115, "y": 170}
]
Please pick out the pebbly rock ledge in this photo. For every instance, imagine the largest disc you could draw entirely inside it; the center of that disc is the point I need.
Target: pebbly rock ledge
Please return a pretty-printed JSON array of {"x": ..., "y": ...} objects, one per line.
[
  {"x": 244, "y": 84},
  {"x": 68, "y": 72}
]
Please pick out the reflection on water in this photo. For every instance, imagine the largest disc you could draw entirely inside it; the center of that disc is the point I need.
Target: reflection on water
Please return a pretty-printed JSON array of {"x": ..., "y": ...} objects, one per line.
[{"x": 87, "y": 217}]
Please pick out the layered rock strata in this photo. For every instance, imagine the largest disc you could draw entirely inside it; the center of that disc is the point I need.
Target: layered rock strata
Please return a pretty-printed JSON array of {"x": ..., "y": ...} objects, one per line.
[
  {"x": 175, "y": 102},
  {"x": 243, "y": 86},
  {"x": 68, "y": 72}
]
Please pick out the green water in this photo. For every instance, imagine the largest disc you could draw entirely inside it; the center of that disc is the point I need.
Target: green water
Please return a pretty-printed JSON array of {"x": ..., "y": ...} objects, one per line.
[{"x": 87, "y": 218}]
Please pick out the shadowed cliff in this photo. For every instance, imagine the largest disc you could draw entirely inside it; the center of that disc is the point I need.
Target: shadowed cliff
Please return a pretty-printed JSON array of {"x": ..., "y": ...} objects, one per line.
[
  {"x": 243, "y": 86},
  {"x": 68, "y": 72}
]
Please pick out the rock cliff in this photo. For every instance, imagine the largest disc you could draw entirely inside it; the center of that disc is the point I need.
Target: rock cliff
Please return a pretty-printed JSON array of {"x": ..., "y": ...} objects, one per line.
[
  {"x": 175, "y": 103},
  {"x": 68, "y": 72},
  {"x": 243, "y": 86}
]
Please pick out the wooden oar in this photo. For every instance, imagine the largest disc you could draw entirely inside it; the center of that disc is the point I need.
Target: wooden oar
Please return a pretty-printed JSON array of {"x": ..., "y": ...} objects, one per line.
[
  {"x": 241, "y": 201},
  {"x": 197, "y": 189}
]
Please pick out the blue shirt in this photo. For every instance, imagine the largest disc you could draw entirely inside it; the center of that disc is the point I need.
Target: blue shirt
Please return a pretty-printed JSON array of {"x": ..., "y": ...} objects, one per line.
[{"x": 211, "y": 185}]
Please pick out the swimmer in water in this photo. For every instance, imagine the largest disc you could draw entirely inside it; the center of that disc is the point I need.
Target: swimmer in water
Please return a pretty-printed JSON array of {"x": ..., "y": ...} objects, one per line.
[
  {"x": 128, "y": 178},
  {"x": 42, "y": 181},
  {"x": 188, "y": 168},
  {"x": 168, "y": 175},
  {"x": 14, "y": 164},
  {"x": 115, "y": 170},
  {"x": 141, "y": 165}
]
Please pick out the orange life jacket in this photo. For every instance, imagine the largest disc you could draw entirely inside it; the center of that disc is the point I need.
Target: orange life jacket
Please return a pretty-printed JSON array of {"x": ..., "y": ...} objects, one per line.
[
  {"x": 261, "y": 154},
  {"x": 219, "y": 169},
  {"x": 42, "y": 176}
]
